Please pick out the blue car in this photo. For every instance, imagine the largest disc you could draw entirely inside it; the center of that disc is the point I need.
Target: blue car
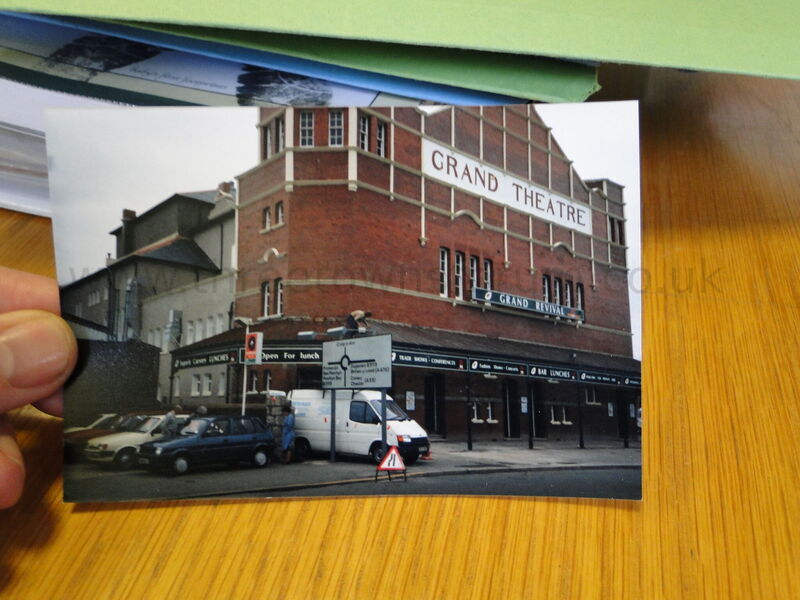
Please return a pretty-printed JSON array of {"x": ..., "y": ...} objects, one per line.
[{"x": 204, "y": 440}]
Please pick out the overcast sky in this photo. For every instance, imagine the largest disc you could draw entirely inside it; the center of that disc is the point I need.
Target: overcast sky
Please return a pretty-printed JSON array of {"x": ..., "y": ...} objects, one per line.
[
  {"x": 602, "y": 138},
  {"x": 105, "y": 159}
]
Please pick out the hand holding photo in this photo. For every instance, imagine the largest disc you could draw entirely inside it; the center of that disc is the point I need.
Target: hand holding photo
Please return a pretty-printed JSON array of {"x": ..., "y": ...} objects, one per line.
[{"x": 278, "y": 281}]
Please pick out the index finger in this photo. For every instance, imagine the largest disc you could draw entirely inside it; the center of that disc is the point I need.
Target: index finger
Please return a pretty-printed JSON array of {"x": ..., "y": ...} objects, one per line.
[{"x": 20, "y": 290}]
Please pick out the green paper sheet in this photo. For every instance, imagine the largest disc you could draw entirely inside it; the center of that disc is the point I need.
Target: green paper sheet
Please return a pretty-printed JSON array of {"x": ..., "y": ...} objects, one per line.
[
  {"x": 722, "y": 35},
  {"x": 516, "y": 75}
]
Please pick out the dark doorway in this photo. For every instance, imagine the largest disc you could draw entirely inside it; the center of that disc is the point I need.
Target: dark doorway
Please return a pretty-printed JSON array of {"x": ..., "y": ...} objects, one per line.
[
  {"x": 434, "y": 404},
  {"x": 511, "y": 408},
  {"x": 539, "y": 414}
]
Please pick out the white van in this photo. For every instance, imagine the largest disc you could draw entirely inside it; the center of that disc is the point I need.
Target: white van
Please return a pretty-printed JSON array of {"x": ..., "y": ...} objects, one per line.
[{"x": 358, "y": 424}]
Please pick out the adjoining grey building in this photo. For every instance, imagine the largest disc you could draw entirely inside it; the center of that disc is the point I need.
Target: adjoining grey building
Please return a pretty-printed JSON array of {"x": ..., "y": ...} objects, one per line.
[{"x": 171, "y": 283}]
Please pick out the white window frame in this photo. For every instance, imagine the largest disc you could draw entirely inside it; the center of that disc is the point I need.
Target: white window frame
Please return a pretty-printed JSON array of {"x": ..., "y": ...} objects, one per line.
[
  {"x": 363, "y": 132},
  {"x": 210, "y": 326},
  {"x": 189, "y": 332},
  {"x": 306, "y": 129},
  {"x": 444, "y": 272},
  {"x": 266, "y": 297},
  {"x": 557, "y": 290},
  {"x": 268, "y": 141},
  {"x": 458, "y": 274},
  {"x": 266, "y": 218},
  {"x": 208, "y": 381},
  {"x": 281, "y": 126},
  {"x": 474, "y": 261},
  {"x": 579, "y": 296},
  {"x": 279, "y": 213},
  {"x": 222, "y": 386},
  {"x": 279, "y": 296},
  {"x": 568, "y": 293},
  {"x": 196, "y": 383},
  {"x": 199, "y": 332},
  {"x": 380, "y": 139},
  {"x": 336, "y": 128},
  {"x": 220, "y": 323},
  {"x": 488, "y": 274},
  {"x": 546, "y": 288}
]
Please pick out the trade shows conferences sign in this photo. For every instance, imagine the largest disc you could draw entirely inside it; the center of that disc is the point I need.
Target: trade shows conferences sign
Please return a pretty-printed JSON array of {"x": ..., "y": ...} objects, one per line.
[
  {"x": 529, "y": 304},
  {"x": 456, "y": 169}
]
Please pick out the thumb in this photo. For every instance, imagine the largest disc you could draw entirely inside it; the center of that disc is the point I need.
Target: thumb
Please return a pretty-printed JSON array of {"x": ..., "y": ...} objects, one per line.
[{"x": 37, "y": 353}]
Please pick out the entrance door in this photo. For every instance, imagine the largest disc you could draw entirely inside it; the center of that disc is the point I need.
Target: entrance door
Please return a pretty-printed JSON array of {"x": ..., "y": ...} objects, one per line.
[
  {"x": 511, "y": 408},
  {"x": 434, "y": 404}
]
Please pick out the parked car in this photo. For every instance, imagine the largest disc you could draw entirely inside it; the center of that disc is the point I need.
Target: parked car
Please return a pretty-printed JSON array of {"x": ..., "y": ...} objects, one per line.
[
  {"x": 75, "y": 442},
  {"x": 120, "y": 448},
  {"x": 216, "y": 439},
  {"x": 103, "y": 421}
]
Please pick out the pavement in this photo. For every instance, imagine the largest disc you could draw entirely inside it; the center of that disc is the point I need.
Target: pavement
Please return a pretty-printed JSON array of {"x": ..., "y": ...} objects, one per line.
[{"x": 448, "y": 458}]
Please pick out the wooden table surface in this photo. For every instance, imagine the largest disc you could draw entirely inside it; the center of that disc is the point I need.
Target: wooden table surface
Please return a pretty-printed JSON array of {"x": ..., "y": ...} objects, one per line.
[{"x": 720, "y": 516}]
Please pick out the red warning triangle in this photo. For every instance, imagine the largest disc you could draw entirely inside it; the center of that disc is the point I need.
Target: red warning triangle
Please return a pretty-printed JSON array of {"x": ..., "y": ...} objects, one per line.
[{"x": 392, "y": 461}]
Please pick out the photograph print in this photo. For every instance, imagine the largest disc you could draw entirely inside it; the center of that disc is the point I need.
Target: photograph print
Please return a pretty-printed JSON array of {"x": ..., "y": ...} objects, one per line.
[{"x": 297, "y": 302}]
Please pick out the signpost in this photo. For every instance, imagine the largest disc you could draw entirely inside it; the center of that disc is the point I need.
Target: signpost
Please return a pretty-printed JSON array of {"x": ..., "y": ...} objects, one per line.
[{"x": 360, "y": 363}]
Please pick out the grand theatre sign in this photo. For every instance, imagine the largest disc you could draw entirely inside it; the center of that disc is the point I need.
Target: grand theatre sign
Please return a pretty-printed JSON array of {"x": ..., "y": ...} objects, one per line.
[{"x": 459, "y": 170}]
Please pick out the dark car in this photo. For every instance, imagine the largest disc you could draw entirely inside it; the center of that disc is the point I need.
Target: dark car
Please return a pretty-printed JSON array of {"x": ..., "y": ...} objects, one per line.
[{"x": 219, "y": 439}]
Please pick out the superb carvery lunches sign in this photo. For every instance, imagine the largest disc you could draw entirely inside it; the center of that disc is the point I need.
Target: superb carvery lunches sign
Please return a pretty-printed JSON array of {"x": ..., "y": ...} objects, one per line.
[{"x": 454, "y": 168}]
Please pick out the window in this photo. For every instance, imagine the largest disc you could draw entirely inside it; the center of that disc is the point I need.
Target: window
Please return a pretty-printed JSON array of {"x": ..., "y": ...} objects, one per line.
[
  {"x": 265, "y": 299},
  {"x": 363, "y": 132},
  {"x": 279, "y": 213},
  {"x": 473, "y": 273},
  {"x": 306, "y": 128},
  {"x": 579, "y": 296},
  {"x": 556, "y": 290},
  {"x": 207, "y": 380},
  {"x": 281, "y": 141},
  {"x": 546, "y": 288},
  {"x": 222, "y": 384},
  {"x": 198, "y": 330},
  {"x": 381, "y": 139},
  {"x": 253, "y": 381},
  {"x": 220, "y": 323},
  {"x": 278, "y": 296},
  {"x": 487, "y": 274},
  {"x": 616, "y": 230},
  {"x": 266, "y": 376},
  {"x": 190, "y": 332},
  {"x": 176, "y": 386},
  {"x": 459, "y": 275},
  {"x": 218, "y": 428},
  {"x": 568, "y": 293},
  {"x": 162, "y": 338},
  {"x": 267, "y": 148},
  {"x": 196, "y": 384},
  {"x": 360, "y": 412},
  {"x": 335, "y": 128},
  {"x": 266, "y": 219},
  {"x": 209, "y": 326},
  {"x": 444, "y": 272}
]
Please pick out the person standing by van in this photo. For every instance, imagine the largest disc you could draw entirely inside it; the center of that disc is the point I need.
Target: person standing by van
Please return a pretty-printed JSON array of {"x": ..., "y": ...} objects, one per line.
[{"x": 287, "y": 434}]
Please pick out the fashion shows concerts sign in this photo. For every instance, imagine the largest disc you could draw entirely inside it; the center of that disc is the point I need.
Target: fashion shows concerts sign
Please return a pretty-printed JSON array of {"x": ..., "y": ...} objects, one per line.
[{"x": 456, "y": 169}]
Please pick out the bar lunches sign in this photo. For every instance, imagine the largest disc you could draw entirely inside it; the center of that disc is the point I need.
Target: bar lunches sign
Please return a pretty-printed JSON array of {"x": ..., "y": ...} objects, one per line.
[{"x": 456, "y": 169}]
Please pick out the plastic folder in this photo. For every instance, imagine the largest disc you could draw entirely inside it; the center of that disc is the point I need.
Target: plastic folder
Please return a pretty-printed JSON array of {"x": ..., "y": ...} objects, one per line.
[{"x": 723, "y": 35}]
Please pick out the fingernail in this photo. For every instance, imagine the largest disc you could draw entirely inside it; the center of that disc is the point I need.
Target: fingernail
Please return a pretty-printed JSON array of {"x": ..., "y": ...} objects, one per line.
[{"x": 34, "y": 352}]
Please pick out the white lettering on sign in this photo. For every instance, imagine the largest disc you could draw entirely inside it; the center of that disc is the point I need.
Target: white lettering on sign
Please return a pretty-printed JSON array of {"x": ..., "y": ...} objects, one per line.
[{"x": 459, "y": 170}]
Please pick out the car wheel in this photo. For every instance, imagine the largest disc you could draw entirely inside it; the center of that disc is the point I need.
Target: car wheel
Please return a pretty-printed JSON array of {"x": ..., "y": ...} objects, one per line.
[
  {"x": 180, "y": 464},
  {"x": 302, "y": 449},
  {"x": 125, "y": 459},
  {"x": 376, "y": 452},
  {"x": 260, "y": 458}
]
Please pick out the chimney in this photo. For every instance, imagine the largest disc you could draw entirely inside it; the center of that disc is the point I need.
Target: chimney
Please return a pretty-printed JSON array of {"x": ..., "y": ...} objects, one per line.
[
  {"x": 127, "y": 242},
  {"x": 226, "y": 189}
]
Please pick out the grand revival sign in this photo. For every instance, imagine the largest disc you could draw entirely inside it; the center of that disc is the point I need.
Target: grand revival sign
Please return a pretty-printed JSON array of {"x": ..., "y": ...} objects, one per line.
[
  {"x": 529, "y": 304},
  {"x": 456, "y": 169}
]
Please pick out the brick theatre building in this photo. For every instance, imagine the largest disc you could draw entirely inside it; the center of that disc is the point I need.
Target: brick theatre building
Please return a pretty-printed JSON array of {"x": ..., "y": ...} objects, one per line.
[{"x": 500, "y": 273}]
